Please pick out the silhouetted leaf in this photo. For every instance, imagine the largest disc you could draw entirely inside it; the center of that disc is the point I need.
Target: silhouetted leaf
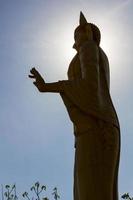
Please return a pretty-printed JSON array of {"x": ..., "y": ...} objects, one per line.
[
  {"x": 45, "y": 198},
  {"x": 37, "y": 184},
  {"x": 125, "y": 196},
  {"x": 32, "y": 188},
  {"x": 7, "y": 186},
  {"x": 55, "y": 189},
  {"x": 43, "y": 187}
]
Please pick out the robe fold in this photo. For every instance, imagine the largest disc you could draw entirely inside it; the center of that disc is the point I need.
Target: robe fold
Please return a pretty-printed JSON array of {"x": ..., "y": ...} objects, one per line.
[{"x": 88, "y": 83}]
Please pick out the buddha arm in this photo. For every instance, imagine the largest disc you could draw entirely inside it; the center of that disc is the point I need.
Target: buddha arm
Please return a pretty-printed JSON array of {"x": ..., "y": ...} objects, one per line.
[
  {"x": 55, "y": 87},
  {"x": 89, "y": 60}
]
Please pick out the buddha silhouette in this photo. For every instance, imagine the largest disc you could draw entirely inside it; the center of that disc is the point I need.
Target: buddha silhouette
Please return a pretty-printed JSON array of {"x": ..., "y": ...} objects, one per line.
[{"x": 86, "y": 95}]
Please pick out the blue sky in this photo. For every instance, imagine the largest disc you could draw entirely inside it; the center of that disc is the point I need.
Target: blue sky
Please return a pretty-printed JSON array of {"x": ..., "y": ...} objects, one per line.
[{"x": 36, "y": 136}]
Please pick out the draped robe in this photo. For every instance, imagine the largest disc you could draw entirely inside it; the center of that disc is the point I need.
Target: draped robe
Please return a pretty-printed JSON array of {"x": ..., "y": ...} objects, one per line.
[
  {"x": 90, "y": 93},
  {"x": 87, "y": 93}
]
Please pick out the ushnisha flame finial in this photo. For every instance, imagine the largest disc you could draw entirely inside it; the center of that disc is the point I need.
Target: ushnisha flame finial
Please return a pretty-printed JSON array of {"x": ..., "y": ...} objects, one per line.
[{"x": 82, "y": 20}]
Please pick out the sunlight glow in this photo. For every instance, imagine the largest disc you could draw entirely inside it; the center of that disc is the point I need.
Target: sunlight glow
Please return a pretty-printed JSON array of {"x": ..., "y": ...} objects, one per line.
[
  {"x": 56, "y": 46},
  {"x": 65, "y": 40},
  {"x": 109, "y": 43}
]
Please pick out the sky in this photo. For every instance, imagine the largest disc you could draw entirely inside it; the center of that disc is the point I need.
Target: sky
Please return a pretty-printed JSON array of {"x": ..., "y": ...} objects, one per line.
[{"x": 36, "y": 135}]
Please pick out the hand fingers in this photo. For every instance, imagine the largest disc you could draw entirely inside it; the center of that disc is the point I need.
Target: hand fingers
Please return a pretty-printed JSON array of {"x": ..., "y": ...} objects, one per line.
[
  {"x": 35, "y": 83},
  {"x": 34, "y": 71},
  {"x": 31, "y": 76},
  {"x": 36, "y": 75}
]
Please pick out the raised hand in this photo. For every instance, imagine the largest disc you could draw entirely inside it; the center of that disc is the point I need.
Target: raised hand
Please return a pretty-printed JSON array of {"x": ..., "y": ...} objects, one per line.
[{"x": 39, "y": 81}]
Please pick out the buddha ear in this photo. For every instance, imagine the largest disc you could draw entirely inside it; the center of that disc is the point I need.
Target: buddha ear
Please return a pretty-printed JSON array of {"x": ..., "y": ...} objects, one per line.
[{"x": 82, "y": 19}]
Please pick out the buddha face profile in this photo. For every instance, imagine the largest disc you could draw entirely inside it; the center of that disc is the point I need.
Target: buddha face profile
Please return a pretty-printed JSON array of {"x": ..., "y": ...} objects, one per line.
[{"x": 80, "y": 33}]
